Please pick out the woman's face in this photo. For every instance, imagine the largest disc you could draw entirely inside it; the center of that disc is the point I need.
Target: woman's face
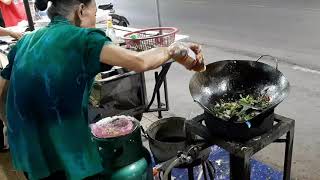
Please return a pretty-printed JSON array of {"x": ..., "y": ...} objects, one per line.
[{"x": 87, "y": 15}]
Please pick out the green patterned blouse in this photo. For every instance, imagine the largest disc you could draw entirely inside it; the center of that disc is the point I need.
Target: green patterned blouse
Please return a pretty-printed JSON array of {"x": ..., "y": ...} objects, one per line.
[{"x": 51, "y": 72}]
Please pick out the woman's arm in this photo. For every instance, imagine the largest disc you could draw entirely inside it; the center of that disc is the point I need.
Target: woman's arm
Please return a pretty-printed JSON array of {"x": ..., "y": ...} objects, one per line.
[
  {"x": 136, "y": 61},
  {"x": 146, "y": 60},
  {"x": 7, "y": 32},
  {"x": 3, "y": 96},
  {"x": 7, "y": 2}
]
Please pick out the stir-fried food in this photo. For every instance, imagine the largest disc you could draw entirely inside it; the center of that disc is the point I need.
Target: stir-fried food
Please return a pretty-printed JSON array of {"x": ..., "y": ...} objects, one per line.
[{"x": 242, "y": 109}]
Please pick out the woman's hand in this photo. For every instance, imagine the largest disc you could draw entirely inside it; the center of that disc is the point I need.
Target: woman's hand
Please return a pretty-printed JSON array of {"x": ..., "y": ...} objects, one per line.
[
  {"x": 153, "y": 58},
  {"x": 180, "y": 52},
  {"x": 15, "y": 35},
  {"x": 6, "y": 2},
  {"x": 8, "y": 32}
]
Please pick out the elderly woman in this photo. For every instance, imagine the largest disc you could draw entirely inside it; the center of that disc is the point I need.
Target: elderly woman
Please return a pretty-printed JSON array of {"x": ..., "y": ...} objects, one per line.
[{"x": 49, "y": 77}]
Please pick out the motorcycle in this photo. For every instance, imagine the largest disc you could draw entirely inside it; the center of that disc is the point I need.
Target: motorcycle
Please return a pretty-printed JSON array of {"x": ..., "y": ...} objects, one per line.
[{"x": 116, "y": 19}]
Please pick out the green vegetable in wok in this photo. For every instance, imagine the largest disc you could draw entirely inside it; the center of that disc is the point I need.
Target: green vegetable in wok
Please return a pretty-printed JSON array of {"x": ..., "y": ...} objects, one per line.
[{"x": 241, "y": 110}]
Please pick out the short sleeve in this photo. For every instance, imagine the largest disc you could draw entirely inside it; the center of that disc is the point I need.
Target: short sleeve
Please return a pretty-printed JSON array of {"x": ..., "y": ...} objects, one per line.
[
  {"x": 96, "y": 40},
  {"x": 6, "y": 72}
]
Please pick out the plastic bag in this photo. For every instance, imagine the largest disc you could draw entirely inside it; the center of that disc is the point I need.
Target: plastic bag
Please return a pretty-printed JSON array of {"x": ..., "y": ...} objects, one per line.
[{"x": 113, "y": 127}]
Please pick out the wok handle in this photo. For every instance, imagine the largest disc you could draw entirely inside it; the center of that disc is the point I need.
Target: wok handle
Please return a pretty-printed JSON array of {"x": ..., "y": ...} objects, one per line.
[
  {"x": 274, "y": 58},
  {"x": 201, "y": 105}
]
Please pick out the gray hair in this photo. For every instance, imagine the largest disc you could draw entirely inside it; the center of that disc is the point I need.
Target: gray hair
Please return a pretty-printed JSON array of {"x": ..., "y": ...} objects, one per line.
[{"x": 59, "y": 7}]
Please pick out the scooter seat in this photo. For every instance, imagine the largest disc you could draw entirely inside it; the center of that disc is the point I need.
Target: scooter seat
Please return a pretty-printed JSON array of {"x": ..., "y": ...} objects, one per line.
[{"x": 106, "y": 6}]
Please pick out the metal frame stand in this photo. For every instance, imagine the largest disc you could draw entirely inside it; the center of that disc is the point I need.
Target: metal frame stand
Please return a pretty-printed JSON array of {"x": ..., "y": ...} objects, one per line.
[
  {"x": 29, "y": 16},
  {"x": 158, "y": 13},
  {"x": 240, "y": 153},
  {"x": 161, "y": 78}
]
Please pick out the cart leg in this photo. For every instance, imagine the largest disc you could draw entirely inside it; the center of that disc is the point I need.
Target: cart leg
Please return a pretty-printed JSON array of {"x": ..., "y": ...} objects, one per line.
[
  {"x": 211, "y": 170},
  {"x": 169, "y": 175},
  {"x": 166, "y": 98},
  {"x": 204, "y": 169},
  {"x": 239, "y": 168},
  {"x": 190, "y": 173},
  {"x": 158, "y": 96},
  {"x": 288, "y": 154}
]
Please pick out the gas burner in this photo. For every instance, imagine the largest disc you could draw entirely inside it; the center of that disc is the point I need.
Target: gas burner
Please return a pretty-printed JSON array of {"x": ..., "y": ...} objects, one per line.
[{"x": 192, "y": 157}]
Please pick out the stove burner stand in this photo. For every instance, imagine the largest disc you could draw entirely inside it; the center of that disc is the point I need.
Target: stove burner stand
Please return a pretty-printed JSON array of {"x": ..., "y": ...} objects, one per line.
[{"x": 240, "y": 153}]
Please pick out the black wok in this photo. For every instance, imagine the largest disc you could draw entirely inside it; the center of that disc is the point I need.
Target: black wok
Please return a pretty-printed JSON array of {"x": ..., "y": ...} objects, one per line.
[{"x": 226, "y": 80}]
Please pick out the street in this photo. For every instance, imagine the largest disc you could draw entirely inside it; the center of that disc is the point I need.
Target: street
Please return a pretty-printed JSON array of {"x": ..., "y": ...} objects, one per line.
[
  {"x": 287, "y": 29},
  {"x": 231, "y": 29}
]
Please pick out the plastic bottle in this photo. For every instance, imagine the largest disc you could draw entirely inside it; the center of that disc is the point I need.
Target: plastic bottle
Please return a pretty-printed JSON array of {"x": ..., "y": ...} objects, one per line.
[
  {"x": 188, "y": 59},
  {"x": 110, "y": 32}
]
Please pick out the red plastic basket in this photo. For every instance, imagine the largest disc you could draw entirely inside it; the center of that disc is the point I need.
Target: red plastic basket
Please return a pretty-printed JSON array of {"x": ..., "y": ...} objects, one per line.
[{"x": 150, "y": 38}]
